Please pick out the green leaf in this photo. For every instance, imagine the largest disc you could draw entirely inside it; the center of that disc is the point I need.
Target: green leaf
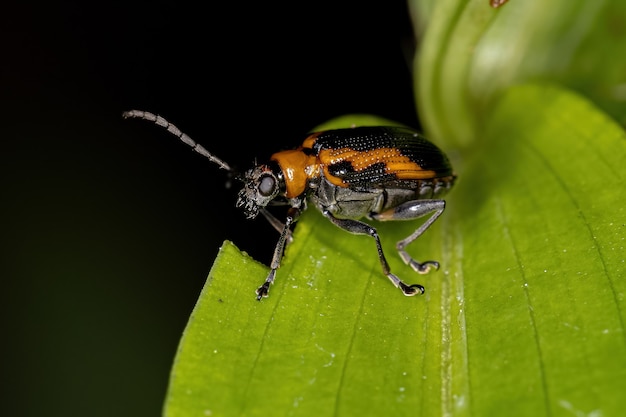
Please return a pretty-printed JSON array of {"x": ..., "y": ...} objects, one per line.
[
  {"x": 540, "y": 245},
  {"x": 471, "y": 52},
  {"x": 525, "y": 317}
]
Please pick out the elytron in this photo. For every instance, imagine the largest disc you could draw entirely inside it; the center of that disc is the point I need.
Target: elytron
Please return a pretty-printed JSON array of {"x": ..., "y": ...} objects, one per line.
[{"x": 381, "y": 173}]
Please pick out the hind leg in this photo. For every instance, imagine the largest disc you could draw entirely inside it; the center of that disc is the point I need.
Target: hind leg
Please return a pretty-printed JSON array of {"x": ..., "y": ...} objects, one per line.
[{"x": 409, "y": 211}]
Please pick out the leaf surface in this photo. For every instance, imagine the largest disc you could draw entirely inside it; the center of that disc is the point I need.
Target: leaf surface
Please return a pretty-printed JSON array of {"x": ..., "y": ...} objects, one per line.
[{"x": 525, "y": 317}]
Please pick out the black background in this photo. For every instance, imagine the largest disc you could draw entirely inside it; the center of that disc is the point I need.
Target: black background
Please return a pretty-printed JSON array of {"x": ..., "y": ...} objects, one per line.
[{"x": 110, "y": 226}]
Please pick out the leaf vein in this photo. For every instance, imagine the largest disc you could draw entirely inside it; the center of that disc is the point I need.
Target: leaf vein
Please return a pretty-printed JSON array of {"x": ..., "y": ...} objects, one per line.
[
  {"x": 596, "y": 244},
  {"x": 508, "y": 236},
  {"x": 349, "y": 349}
]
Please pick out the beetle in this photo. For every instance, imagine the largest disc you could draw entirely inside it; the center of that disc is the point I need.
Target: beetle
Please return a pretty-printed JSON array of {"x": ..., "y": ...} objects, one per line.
[{"x": 381, "y": 173}]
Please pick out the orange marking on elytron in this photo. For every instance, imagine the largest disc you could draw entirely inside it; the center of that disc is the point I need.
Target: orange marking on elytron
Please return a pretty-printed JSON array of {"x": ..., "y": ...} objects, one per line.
[
  {"x": 395, "y": 163},
  {"x": 310, "y": 141}
]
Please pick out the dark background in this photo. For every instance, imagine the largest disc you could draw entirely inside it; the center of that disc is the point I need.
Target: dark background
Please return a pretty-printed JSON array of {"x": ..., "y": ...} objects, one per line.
[{"x": 110, "y": 226}]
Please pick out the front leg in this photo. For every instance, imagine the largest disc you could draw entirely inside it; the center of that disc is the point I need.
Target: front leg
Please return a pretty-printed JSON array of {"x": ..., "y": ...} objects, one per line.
[
  {"x": 292, "y": 215},
  {"x": 360, "y": 228},
  {"x": 276, "y": 224}
]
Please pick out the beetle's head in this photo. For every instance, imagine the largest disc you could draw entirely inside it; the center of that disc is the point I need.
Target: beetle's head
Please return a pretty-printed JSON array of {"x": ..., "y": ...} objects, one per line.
[{"x": 261, "y": 185}]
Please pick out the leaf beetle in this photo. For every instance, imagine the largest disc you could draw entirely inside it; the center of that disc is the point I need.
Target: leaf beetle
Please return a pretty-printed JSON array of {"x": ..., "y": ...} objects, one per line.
[{"x": 381, "y": 173}]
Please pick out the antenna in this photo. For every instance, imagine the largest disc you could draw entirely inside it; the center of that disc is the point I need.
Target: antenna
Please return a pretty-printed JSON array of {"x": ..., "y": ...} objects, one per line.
[{"x": 158, "y": 120}]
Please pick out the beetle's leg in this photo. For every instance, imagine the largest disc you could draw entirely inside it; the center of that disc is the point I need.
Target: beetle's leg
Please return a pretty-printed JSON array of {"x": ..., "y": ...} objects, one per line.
[
  {"x": 409, "y": 211},
  {"x": 359, "y": 228},
  {"x": 276, "y": 224},
  {"x": 292, "y": 216}
]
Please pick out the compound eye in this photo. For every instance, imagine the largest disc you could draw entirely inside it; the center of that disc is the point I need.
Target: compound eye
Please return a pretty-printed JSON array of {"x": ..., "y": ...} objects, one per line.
[{"x": 267, "y": 185}]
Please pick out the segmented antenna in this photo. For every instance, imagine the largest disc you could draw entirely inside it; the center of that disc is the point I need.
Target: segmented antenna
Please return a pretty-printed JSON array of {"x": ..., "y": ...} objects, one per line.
[{"x": 158, "y": 120}]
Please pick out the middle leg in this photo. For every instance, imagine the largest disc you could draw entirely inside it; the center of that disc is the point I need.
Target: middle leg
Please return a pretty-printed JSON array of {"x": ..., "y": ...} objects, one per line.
[{"x": 360, "y": 228}]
